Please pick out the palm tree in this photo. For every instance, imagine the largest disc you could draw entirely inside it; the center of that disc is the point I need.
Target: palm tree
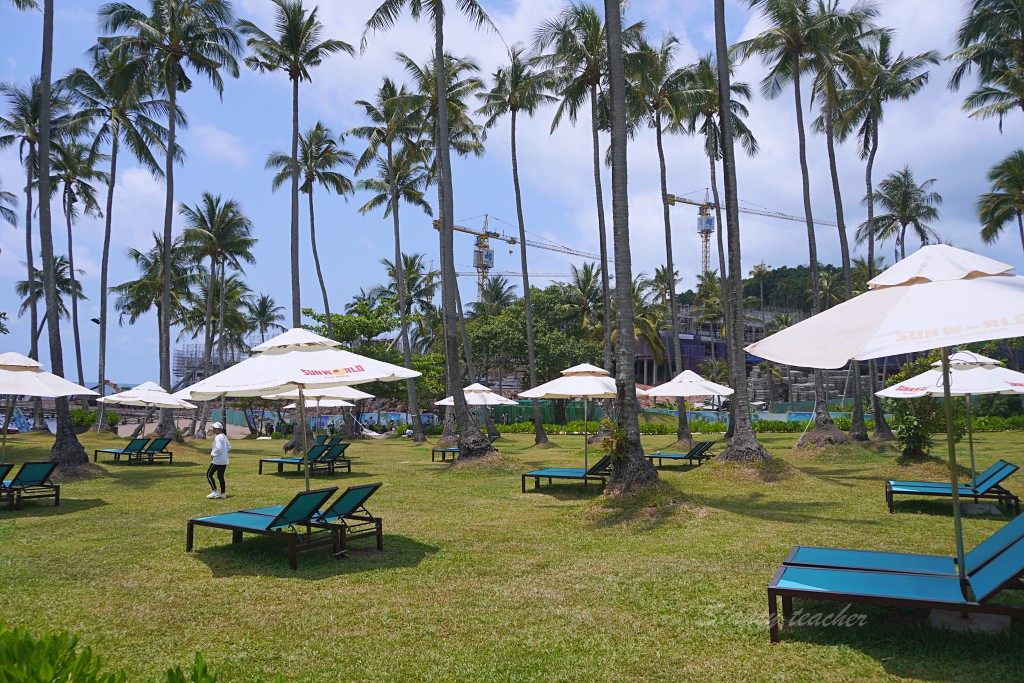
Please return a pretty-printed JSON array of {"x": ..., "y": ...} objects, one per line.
[
  {"x": 137, "y": 297},
  {"x": 472, "y": 443},
  {"x": 496, "y": 294},
  {"x": 295, "y": 49},
  {"x": 630, "y": 470},
  {"x": 584, "y": 293},
  {"x": 8, "y": 203},
  {"x": 743, "y": 446},
  {"x": 908, "y": 205},
  {"x": 265, "y": 316},
  {"x": 519, "y": 88},
  {"x": 319, "y": 156},
  {"x": 175, "y": 37},
  {"x": 758, "y": 274},
  {"x": 33, "y": 292},
  {"x": 990, "y": 40},
  {"x": 780, "y": 322},
  {"x": 648, "y": 318},
  {"x": 578, "y": 64},
  {"x": 124, "y": 109},
  {"x": 1006, "y": 200},
  {"x": 789, "y": 46},
  {"x": 218, "y": 230}
]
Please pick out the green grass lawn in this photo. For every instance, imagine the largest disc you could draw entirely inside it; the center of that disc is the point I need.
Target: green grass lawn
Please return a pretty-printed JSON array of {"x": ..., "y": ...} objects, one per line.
[{"x": 481, "y": 582}]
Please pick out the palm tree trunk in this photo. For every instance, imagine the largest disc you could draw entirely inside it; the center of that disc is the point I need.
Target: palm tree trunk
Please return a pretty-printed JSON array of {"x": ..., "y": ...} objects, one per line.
[
  {"x": 858, "y": 430},
  {"x": 316, "y": 262},
  {"x": 743, "y": 446},
  {"x": 204, "y": 412},
  {"x": 467, "y": 350},
  {"x": 602, "y": 233},
  {"x": 824, "y": 431},
  {"x": 472, "y": 443},
  {"x": 104, "y": 265},
  {"x": 38, "y": 422},
  {"x": 74, "y": 289},
  {"x": 220, "y": 337},
  {"x": 413, "y": 408},
  {"x": 539, "y": 435},
  {"x": 682, "y": 424},
  {"x": 630, "y": 470},
  {"x": 166, "y": 428},
  {"x": 296, "y": 299},
  {"x": 736, "y": 375},
  {"x": 882, "y": 431},
  {"x": 66, "y": 451},
  {"x": 903, "y": 242}
]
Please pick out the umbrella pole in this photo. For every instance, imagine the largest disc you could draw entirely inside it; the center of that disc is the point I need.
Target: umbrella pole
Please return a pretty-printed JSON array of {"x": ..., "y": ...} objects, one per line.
[
  {"x": 970, "y": 437},
  {"x": 7, "y": 423},
  {"x": 953, "y": 479},
  {"x": 302, "y": 426},
  {"x": 586, "y": 439}
]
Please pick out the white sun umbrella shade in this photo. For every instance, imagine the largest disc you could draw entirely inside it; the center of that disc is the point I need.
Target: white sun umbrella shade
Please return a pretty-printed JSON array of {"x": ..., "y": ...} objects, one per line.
[
  {"x": 689, "y": 383},
  {"x": 148, "y": 395},
  {"x": 296, "y": 359},
  {"x": 23, "y": 376},
  {"x": 478, "y": 395},
  {"x": 581, "y": 381},
  {"x": 964, "y": 380},
  {"x": 345, "y": 393},
  {"x": 938, "y": 296},
  {"x": 322, "y": 403}
]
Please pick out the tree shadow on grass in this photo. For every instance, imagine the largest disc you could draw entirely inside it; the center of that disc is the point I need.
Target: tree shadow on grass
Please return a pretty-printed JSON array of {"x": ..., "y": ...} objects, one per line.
[
  {"x": 770, "y": 508},
  {"x": 907, "y": 646},
  {"x": 265, "y": 556},
  {"x": 149, "y": 477},
  {"x": 839, "y": 477},
  {"x": 45, "y": 507},
  {"x": 322, "y": 479},
  {"x": 565, "y": 491}
]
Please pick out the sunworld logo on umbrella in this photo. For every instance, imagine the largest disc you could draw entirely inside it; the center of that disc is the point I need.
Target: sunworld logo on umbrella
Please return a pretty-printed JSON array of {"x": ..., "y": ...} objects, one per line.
[
  {"x": 905, "y": 388},
  {"x": 336, "y": 372}
]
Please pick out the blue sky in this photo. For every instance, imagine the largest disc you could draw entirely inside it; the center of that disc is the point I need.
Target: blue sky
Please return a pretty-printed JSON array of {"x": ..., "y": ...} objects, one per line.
[{"x": 228, "y": 140}]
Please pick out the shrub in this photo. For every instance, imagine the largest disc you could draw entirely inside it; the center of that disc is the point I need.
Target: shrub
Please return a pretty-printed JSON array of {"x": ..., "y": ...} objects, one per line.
[
  {"x": 113, "y": 419},
  {"x": 81, "y": 417},
  {"x": 278, "y": 435},
  {"x": 53, "y": 657}
]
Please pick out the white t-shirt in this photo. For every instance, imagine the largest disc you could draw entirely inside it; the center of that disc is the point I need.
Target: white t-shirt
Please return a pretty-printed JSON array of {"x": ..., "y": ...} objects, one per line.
[{"x": 219, "y": 452}]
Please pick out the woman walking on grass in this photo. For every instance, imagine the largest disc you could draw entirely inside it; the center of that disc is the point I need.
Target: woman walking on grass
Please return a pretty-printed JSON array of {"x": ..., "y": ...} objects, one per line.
[{"x": 218, "y": 460}]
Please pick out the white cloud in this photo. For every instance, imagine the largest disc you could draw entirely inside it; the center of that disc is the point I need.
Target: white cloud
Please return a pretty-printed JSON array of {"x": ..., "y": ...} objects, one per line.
[{"x": 216, "y": 145}]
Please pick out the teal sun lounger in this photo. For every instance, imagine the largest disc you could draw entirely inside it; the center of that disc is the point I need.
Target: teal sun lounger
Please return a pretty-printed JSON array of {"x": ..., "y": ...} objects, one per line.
[
  {"x": 598, "y": 472},
  {"x": 134, "y": 446},
  {"x": 453, "y": 451},
  {"x": 32, "y": 480},
  {"x": 699, "y": 453},
  {"x": 986, "y": 486}
]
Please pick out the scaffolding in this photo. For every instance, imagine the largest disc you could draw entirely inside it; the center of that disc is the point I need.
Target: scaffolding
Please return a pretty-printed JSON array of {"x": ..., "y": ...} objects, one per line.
[{"x": 190, "y": 358}]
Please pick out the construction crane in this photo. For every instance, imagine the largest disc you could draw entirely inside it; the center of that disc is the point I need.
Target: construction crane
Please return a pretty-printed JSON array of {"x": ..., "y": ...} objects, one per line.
[
  {"x": 706, "y": 222},
  {"x": 483, "y": 255}
]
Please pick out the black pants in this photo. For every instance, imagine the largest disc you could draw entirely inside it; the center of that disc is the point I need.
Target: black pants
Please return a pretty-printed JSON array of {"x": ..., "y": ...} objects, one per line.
[{"x": 219, "y": 471}]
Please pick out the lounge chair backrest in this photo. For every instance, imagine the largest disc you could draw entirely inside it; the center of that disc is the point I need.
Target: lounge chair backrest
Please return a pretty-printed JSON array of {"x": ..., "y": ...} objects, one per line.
[
  {"x": 5, "y": 469},
  {"x": 1003, "y": 569},
  {"x": 982, "y": 476},
  {"x": 600, "y": 465},
  {"x": 302, "y": 507},
  {"x": 996, "y": 477},
  {"x": 320, "y": 440},
  {"x": 136, "y": 445},
  {"x": 994, "y": 545},
  {"x": 701, "y": 448},
  {"x": 315, "y": 453},
  {"x": 158, "y": 445},
  {"x": 334, "y": 441},
  {"x": 351, "y": 500},
  {"x": 334, "y": 452},
  {"x": 492, "y": 439},
  {"x": 33, "y": 473}
]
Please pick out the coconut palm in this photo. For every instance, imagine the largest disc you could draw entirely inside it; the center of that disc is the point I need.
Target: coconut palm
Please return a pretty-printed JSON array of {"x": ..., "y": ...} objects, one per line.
[
  {"x": 319, "y": 157},
  {"x": 908, "y": 205},
  {"x": 648, "y": 318},
  {"x": 990, "y": 41},
  {"x": 8, "y": 203},
  {"x": 1006, "y": 200},
  {"x": 780, "y": 322},
  {"x": 265, "y": 316},
  {"x": 743, "y": 445},
  {"x": 174, "y": 38},
  {"x": 137, "y": 297},
  {"x": 32, "y": 292},
  {"x": 519, "y": 88},
  {"x": 795, "y": 33},
  {"x": 573, "y": 47},
  {"x": 295, "y": 48},
  {"x": 124, "y": 108},
  {"x": 420, "y": 284},
  {"x": 584, "y": 293},
  {"x": 218, "y": 230},
  {"x": 74, "y": 167},
  {"x": 758, "y": 274},
  {"x": 496, "y": 294}
]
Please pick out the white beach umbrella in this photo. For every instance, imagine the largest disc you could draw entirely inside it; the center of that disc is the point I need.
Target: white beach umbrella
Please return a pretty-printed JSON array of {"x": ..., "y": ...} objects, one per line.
[
  {"x": 970, "y": 374},
  {"x": 478, "y": 395},
  {"x": 296, "y": 360},
  {"x": 322, "y": 403},
  {"x": 937, "y": 297},
  {"x": 147, "y": 395},
  {"x": 23, "y": 376},
  {"x": 345, "y": 393},
  {"x": 688, "y": 383},
  {"x": 581, "y": 381}
]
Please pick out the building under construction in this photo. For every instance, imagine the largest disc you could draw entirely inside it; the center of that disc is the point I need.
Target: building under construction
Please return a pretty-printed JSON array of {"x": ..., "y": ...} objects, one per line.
[{"x": 189, "y": 360}]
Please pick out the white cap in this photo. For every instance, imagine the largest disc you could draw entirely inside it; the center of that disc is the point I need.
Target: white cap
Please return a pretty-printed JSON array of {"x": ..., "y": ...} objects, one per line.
[{"x": 217, "y": 425}]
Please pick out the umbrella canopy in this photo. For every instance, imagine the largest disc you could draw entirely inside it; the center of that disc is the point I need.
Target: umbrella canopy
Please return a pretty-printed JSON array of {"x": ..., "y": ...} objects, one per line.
[
  {"x": 322, "y": 403},
  {"x": 345, "y": 393},
  {"x": 689, "y": 383},
  {"x": 478, "y": 395},
  {"x": 935, "y": 298},
  {"x": 147, "y": 394},
  {"x": 295, "y": 359},
  {"x": 581, "y": 381},
  {"x": 938, "y": 296},
  {"x": 22, "y": 376}
]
